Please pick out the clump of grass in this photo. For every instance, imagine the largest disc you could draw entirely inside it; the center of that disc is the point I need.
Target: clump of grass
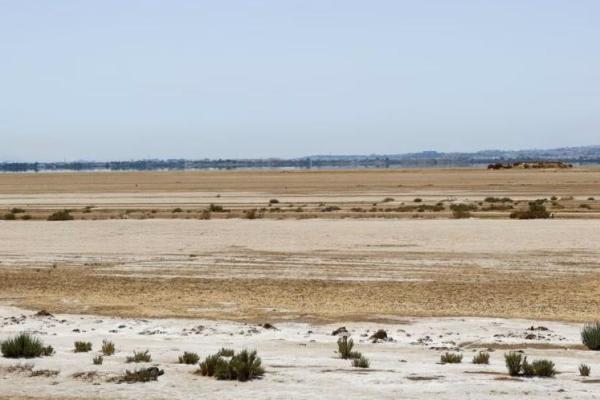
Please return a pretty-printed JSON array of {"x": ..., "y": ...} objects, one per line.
[
  {"x": 141, "y": 375},
  {"x": 537, "y": 210},
  {"x": 98, "y": 360},
  {"x": 108, "y": 348},
  {"x": 224, "y": 352},
  {"x": 361, "y": 362},
  {"x": 177, "y": 210},
  {"x": 25, "y": 346},
  {"x": 188, "y": 358},
  {"x": 207, "y": 367},
  {"x": 10, "y": 217},
  {"x": 244, "y": 366},
  {"x": 17, "y": 210},
  {"x": 83, "y": 347},
  {"x": 215, "y": 208},
  {"x": 584, "y": 370},
  {"x": 514, "y": 362},
  {"x": 543, "y": 368},
  {"x": 345, "y": 346},
  {"x": 458, "y": 214},
  {"x": 330, "y": 208},
  {"x": 139, "y": 356},
  {"x": 481, "y": 358},
  {"x": 590, "y": 335},
  {"x": 387, "y": 200},
  {"x": 251, "y": 214},
  {"x": 451, "y": 358},
  {"x": 63, "y": 215}
]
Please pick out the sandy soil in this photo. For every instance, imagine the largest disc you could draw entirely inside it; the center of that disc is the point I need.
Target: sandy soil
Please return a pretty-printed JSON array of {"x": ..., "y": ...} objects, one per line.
[
  {"x": 300, "y": 359},
  {"x": 312, "y": 270}
]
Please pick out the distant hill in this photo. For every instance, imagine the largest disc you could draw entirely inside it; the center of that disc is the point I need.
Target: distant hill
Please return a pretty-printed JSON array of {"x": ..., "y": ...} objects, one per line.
[{"x": 584, "y": 155}]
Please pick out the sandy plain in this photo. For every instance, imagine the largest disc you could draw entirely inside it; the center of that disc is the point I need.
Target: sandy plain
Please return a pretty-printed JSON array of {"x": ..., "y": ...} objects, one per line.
[{"x": 428, "y": 275}]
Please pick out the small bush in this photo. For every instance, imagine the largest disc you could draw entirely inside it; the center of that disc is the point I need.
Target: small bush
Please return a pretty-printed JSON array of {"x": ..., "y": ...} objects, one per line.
[
  {"x": 345, "y": 346},
  {"x": 188, "y": 358},
  {"x": 10, "y": 217},
  {"x": 25, "y": 346},
  {"x": 418, "y": 200},
  {"x": 584, "y": 370},
  {"x": 63, "y": 215},
  {"x": 139, "y": 356},
  {"x": 208, "y": 366},
  {"x": 451, "y": 358},
  {"x": 83, "y": 347},
  {"x": 108, "y": 348},
  {"x": 527, "y": 368},
  {"x": 543, "y": 368},
  {"x": 536, "y": 210},
  {"x": 177, "y": 210},
  {"x": 273, "y": 201},
  {"x": 361, "y": 362},
  {"x": 498, "y": 200},
  {"x": 330, "y": 208},
  {"x": 17, "y": 210},
  {"x": 251, "y": 214},
  {"x": 141, "y": 375},
  {"x": 226, "y": 352},
  {"x": 215, "y": 208},
  {"x": 98, "y": 360},
  {"x": 387, "y": 200},
  {"x": 458, "y": 214},
  {"x": 246, "y": 365},
  {"x": 26, "y": 217},
  {"x": 481, "y": 358},
  {"x": 591, "y": 198},
  {"x": 590, "y": 335},
  {"x": 514, "y": 362}
]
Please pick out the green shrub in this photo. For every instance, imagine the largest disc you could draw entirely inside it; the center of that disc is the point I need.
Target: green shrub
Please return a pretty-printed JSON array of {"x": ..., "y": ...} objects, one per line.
[
  {"x": 590, "y": 335},
  {"x": 25, "y": 346},
  {"x": 537, "y": 210},
  {"x": 527, "y": 369},
  {"x": 139, "y": 356},
  {"x": 345, "y": 346},
  {"x": 98, "y": 360},
  {"x": 226, "y": 352},
  {"x": 208, "y": 366},
  {"x": 451, "y": 358},
  {"x": 584, "y": 370},
  {"x": 83, "y": 347},
  {"x": 387, "y": 200},
  {"x": 188, "y": 358},
  {"x": 177, "y": 210},
  {"x": 63, "y": 215},
  {"x": 514, "y": 362},
  {"x": 481, "y": 358},
  {"x": 246, "y": 365},
  {"x": 361, "y": 362},
  {"x": 108, "y": 348},
  {"x": 543, "y": 368},
  {"x": 141, "y": 375},
  {"x": 223, "y": 370},
  {"x": 215, "y": 208}
]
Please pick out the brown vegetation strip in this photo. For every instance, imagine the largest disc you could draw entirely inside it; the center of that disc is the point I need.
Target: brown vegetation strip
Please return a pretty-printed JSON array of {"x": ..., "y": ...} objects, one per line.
[{"x": 76, "y": 290}]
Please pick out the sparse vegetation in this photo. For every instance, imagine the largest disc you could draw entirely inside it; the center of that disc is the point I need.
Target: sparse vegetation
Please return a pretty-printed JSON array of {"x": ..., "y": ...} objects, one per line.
[
  {"x": 98, "y": 360},
  {"x": 590, "y": 335},
  {"x": 517, "y": 365},
  {"x": 141, "y": 375},
  {"x": 361, "y": 362},
  {"x": 226, "y": 352},
  {"x": 330, "y": 208},
  {"x": 83, "y": 347},
  {"x": 273, "y": 201},
  {"x": 24, "y": 346},
  {"x": 208, "y": 366},
  {"x": 514, "y": 362},
  {"x": 177, "y": 210},
  {"x": 63, "y": 215},
  {"x": 387, "y": 200},
  {"x": 139, "y": 356},
  {"x": 418, "y": 200},
  {"x": 243, "y": 366},
  {"x": 498, "y": 200},
  {"x": 215, "y": 208},
  {"x": 188, "y": 358},
  {"x": 537, "y": 210},
  {"x": 345, "y": 346},
  {"x": 108, "y": 348},
  {"x": 584, "y": 370},
  {"x": 17, "y": 210},
  {"x": 451, "y": 358},
  {"x": 481, "y": 358},
  {"x": 10, "y": 217}
]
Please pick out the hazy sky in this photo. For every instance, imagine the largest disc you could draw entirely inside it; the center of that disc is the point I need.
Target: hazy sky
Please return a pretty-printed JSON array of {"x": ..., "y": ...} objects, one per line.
[{"x": 130, "y": 79}]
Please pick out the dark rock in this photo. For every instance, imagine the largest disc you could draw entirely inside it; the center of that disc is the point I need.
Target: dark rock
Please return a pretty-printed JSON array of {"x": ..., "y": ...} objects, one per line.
[
  {"x": 268, "y": 326},
  {"x": 43, "y": 313},
  {"x": 379, "y": 335}
]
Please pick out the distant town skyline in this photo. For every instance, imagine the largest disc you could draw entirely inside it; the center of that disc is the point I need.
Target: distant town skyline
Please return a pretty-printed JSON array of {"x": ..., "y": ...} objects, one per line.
[{"x": 116, "y": 80}]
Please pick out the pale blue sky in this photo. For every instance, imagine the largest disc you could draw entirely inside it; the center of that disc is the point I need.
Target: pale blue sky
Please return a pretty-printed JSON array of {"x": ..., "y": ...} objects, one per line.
[{"x": 142, "y": 79}]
